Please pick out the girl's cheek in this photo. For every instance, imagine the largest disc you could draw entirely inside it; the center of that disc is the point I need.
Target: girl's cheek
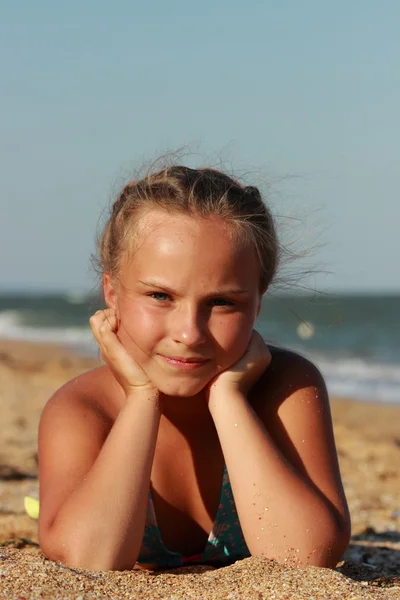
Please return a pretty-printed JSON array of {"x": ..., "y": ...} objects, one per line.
[
  {"x": 233, "y": 333},
  {"x": 139, "y": 329}
]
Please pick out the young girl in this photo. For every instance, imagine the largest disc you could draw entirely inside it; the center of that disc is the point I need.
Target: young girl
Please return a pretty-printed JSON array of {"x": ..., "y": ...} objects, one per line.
[{"x": 196, "y": 442}]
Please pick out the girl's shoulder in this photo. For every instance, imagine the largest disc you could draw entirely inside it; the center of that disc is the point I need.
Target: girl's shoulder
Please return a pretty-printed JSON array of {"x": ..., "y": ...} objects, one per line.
[
  {"x": 283, "y": 359},
  {"x": 94, "y": 391},
  {"x": 288, "y": 373}
]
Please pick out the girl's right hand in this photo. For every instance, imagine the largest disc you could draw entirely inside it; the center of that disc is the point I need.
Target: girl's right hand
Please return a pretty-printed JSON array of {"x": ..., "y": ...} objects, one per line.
[{"x": 130, "y": 376}]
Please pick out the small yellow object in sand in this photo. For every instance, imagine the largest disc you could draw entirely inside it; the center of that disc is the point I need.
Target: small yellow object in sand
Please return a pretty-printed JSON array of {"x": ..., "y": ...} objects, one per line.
[{"x": 31, "y": 507}]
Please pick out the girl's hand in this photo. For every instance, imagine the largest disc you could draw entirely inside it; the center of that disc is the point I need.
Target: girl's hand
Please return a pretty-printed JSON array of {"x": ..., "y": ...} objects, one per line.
[
  {"x": 243, "y": 375},
  {"x": 130, "y": 376}
]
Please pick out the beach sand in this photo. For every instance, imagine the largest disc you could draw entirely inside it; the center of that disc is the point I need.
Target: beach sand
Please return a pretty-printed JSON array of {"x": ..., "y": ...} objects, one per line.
[{"x": 368, "y": 443}]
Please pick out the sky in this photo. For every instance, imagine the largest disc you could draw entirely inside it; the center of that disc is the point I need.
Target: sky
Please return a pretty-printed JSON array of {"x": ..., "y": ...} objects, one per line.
[{"x": 300, "y": 98}]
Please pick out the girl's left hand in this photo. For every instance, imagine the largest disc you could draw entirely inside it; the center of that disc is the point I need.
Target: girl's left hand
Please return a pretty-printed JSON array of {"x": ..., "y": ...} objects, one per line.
[{"x": 243, "y": 375}]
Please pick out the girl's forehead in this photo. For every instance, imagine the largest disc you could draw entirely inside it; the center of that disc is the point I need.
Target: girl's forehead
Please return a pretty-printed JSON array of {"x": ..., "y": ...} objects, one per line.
[
  {"x": 159, "y": 220},
  {"x": 185, "y": 247},
  {"x": 158, "y": 227}
]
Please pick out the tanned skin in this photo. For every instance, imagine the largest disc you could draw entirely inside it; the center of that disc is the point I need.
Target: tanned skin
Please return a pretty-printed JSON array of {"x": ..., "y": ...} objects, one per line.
[{"x": 147, "y": 418}]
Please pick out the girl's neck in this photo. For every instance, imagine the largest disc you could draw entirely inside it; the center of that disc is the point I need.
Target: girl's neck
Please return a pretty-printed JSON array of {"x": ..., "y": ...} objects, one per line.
[{"x": 187, "y": 415}]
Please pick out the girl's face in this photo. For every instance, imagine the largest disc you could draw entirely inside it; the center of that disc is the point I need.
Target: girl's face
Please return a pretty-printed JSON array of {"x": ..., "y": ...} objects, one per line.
[{"x": 187, "y": 300}]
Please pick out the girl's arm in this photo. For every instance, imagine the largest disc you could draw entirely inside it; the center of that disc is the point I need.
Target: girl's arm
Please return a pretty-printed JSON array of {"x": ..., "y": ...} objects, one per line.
[
  {"x": 93, "y": 496},
  {"x": 282, "y": 464},
  {"x": 94, "y": 477}
]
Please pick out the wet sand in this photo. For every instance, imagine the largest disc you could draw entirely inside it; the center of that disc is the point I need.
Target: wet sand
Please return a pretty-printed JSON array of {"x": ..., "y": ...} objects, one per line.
[{"x": 368, "y": 443}]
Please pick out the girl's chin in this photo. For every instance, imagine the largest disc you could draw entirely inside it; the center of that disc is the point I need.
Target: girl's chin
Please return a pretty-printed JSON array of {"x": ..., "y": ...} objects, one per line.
[
  {"x": 181, "y": 391},
  {"x": 185, "y": 388}
]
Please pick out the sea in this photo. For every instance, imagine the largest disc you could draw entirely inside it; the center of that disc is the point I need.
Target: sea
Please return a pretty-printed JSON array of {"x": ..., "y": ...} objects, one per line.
[{"x": 353, "y": 339}]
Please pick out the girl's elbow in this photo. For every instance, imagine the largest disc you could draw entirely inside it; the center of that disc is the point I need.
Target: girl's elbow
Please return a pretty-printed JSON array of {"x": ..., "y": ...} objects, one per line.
[
  {"x": 343, "y": 535},
  {"x": 53, "y": 553},
  {"x": 74, "y": 560},
  {"x": 77, "y": 553},
  {"x": 328, "y": 552},
  {"x": 90, "y": 560},
  {"x": 48, "y": 544},
  {"x": 343, "y": 539},
  {"x": 60, "y": 551}
]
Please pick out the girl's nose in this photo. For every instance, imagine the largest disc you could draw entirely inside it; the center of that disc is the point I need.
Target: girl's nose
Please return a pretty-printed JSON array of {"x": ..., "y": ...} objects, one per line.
[{"x": 188, "y": 327}]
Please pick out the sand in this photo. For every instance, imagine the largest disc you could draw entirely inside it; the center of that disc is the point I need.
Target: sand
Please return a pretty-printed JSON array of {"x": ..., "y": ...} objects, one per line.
[{"x": 368, "y": 442}]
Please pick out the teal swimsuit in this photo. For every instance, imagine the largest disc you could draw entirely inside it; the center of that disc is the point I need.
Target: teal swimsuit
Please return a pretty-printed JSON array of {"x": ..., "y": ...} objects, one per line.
[{"x": 224, "y": 546}]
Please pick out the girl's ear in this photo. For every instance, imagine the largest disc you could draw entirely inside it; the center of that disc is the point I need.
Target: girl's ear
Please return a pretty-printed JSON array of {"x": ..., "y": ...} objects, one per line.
[{"x": 110, "y": 294}]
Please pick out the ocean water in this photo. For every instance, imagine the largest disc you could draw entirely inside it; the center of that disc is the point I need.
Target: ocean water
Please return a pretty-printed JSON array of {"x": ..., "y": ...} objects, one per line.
[{"x": 353, "y": 339}]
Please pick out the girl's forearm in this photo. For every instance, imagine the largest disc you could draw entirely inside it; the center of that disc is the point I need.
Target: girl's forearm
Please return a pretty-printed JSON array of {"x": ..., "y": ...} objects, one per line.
[
  {"x": 100, "y": 526},
  {"x": 281, "y": 514}
]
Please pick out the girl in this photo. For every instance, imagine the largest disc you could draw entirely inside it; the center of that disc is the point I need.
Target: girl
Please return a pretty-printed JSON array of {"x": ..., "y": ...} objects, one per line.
[{"x": 196, "y": 442}]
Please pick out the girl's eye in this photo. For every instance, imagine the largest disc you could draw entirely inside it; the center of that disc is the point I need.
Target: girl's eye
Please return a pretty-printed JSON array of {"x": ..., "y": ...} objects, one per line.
[
  {"x": 161, "y": 296},
  {"x": 221, "y": 302}
]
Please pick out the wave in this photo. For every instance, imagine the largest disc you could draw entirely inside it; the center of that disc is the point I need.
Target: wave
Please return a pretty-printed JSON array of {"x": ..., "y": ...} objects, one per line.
[
  {"x": 359, "y": 378},
  {"x": 13, "y": 326}
]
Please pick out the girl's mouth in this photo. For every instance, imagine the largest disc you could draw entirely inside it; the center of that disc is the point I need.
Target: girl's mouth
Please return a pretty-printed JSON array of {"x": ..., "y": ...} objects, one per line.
[{"x": 188, "y": 364}]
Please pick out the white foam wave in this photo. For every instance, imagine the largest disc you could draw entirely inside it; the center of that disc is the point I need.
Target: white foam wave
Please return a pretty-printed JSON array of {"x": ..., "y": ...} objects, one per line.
[
  {"x": 12, "y": 327},
  {"x": 358, "y": 378}
]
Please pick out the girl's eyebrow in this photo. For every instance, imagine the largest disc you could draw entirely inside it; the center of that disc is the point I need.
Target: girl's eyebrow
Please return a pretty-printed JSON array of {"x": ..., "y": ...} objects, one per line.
[{"x": 156, "y": 284}]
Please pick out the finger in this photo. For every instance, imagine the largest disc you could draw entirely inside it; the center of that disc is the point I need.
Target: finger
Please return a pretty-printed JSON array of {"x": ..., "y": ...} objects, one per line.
[
  {"x": 111, "y": 316},
  {"x": 100, "y": 316},
  {"x": 109, "y": 312},
  {"x": 257, "y": 339},
  {"x": 261, "y": 348},
  {"x": 97, "y": 337},
  {"x": 256, "y": 336},
  {"x": 112, "y": 322},
  {"x": 112, "y": 349},
  {"x": 109, "y": 325},
  {"x": 96, "y": 322}
]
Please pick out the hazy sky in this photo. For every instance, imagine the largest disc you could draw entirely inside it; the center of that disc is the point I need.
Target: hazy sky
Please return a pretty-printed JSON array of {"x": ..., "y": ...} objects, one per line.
[{"x": 306, "y": 91}]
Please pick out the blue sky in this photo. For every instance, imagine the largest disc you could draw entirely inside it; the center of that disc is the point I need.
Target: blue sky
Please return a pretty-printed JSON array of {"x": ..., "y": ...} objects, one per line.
[{"x": 303, "y": 94}]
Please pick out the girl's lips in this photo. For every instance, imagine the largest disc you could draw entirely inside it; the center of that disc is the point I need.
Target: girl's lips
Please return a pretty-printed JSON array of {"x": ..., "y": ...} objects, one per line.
[{"x": 182, "y": 363}]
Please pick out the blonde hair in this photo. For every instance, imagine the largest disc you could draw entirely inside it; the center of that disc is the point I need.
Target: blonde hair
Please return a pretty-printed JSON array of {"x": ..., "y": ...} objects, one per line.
[{"x": 201, "y": 193}]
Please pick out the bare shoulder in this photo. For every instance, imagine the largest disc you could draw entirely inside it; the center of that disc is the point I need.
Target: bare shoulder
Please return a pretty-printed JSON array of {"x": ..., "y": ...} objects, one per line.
[
  {"x": 292, "y": 401},
  {"x": 91, "y": 392},
  {"x": 73, "y": 428},
  {"x": 301, "y": 368},
  {"x": 293, "y": 390},
  {"x": 289, "y": 375}
]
